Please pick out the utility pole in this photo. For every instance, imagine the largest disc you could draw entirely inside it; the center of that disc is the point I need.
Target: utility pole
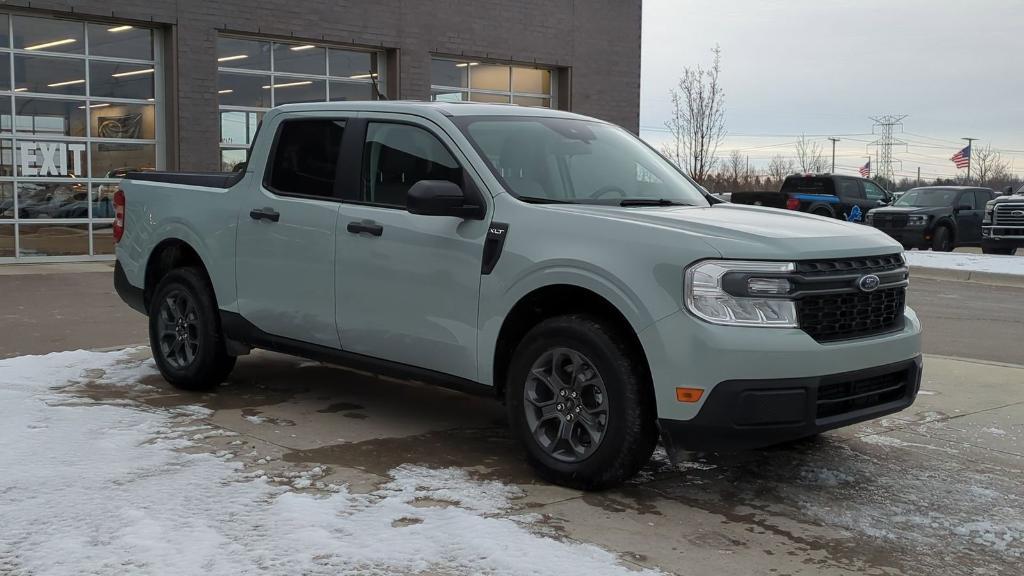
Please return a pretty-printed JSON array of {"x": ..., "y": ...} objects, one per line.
[
  {"x": 869, "y": 166},
  {"x": 970, "y": 152},
  {"x": 919, "y": 176},
  {"x": 834, "y": 140}
]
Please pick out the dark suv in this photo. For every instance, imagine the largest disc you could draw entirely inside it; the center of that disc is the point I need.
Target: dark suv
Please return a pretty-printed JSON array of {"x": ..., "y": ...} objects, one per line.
[
  {"x": 1003, "y": 227},
  {"x": 843, "y": 197},
  {"x": 937, "y": 217}
]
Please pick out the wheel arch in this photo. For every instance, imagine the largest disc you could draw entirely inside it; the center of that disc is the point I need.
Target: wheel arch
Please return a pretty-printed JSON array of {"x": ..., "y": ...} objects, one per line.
[
  {"x": 169, "y": 254},
  {"x": 557, "y": 300}
]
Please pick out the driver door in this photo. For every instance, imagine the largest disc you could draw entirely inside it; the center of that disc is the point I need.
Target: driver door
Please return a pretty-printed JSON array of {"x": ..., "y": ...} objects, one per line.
[{"x": 968, "y": 222}]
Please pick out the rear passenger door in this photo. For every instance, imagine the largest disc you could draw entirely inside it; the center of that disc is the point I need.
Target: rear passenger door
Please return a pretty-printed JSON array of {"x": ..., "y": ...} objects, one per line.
[
  {"x": 853, "y": 206},
  {"x": 408, "y": 285},
  {"x": 968, "y": 222},
  {"x": 285, "y": 258}
]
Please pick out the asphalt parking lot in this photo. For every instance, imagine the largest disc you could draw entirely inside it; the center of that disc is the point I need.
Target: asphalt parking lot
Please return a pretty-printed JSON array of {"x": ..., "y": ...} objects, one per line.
[{"x": 932, "y": 490}]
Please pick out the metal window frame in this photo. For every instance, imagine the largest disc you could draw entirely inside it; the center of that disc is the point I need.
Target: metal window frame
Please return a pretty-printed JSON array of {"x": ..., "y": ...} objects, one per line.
[
  {"x": 380, "y": 61},
  {"x": 511, "y": 92},
  {"x": 91, "y": 182}
]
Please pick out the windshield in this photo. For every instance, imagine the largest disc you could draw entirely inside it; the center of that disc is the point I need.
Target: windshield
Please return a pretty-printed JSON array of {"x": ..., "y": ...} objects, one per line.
[
  {"x": 577, "y": 161},
  {"x": 927, "y": 198}
]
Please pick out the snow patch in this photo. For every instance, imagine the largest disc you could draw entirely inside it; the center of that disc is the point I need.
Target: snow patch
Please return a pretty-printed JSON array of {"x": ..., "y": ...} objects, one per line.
[
  {"x": 103, "y": 489},
  {"x": 966, "y": 262}
]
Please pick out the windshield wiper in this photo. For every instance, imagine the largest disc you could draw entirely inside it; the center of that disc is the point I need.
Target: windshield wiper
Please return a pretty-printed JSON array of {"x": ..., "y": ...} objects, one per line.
[
  {"x": 651, "y": 202},
  {"x": 539, "y": 200}
]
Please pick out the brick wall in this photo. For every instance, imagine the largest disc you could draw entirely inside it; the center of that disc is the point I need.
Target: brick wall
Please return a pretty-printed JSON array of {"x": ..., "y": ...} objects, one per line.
[{"x": 598, "y": 40}]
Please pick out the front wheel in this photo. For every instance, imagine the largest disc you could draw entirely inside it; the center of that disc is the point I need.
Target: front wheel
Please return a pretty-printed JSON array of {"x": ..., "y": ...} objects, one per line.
[
  {"x": 184, "y": 332},
  {"x": 580, "y": 403},
  {"x": 942, "y": 241}
]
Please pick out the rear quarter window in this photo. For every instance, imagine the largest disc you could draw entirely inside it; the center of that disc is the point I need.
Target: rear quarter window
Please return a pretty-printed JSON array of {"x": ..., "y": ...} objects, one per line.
[{"x": 812, "y": 185}]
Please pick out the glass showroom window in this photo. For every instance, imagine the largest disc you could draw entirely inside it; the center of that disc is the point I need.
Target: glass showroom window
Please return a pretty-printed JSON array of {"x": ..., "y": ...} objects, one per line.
[
  {"x": 78, "y": 109},
  {"x": 255, "y": 75},
  {"x": 484, "y": 82}
]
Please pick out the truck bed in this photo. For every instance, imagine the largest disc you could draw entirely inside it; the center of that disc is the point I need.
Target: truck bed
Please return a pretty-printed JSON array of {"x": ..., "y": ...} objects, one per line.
[
  {"x": 207, "y": 179},
  {"x": 771, "y": 199}
]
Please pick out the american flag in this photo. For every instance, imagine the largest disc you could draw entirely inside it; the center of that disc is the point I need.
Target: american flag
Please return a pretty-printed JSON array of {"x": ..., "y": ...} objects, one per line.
[
  {"x": 865, "y": 170},
  {"x": 962, "y": 159}
]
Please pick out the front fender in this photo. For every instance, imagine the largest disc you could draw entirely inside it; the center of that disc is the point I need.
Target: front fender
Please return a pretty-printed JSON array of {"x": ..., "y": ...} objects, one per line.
[{"x": 495, "y": 304}]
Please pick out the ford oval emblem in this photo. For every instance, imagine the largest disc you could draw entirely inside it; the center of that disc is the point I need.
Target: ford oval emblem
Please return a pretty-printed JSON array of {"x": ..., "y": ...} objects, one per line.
[
  {"x": 1017, "y": 213},
  {"x": 868, "y": 283}
]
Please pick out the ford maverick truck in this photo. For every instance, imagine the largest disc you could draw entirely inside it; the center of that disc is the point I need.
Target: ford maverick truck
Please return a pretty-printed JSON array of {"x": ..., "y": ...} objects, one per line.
[{"x": 547, "y": 259}]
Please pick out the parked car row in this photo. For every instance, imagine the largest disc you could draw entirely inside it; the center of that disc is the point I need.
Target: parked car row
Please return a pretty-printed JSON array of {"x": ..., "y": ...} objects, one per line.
[{"x": 938, "y": 217}]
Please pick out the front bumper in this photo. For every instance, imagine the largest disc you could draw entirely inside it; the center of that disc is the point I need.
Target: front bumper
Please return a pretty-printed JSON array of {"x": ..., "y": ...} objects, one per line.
[
  {"x": 746, "y": 414},
  {"x": 910, "y": 237}
]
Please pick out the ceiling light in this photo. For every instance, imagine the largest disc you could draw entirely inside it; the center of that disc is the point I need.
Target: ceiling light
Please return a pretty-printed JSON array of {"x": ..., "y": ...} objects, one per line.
[
  {"x": 464, "y": 64},
  {"x": 95, "y": 106},
  {"x": 65, "y": 83},
  {"x": 51, "y": 44},
  {"x": 119, "y": 28},
  {"x": 289, "y": 84},
  {"x": 303, "y": 47},
  {"x": 224, "y": 91},
  {"x": 133, "y": 73},
  {"x": 360, "y": 76},
  {"x": 230, "y": 58},
  {"x": 21, "y": 89}
]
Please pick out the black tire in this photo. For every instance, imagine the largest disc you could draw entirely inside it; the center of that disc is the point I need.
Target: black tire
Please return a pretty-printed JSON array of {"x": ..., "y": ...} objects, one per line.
[
  {"x": 823, "y": 212},
  {"x": 1000, "y": 250},
  {"x": 942, "y": 240},
  {"x": 629, "y": 433},
  {"x": 185, "y": 336}
]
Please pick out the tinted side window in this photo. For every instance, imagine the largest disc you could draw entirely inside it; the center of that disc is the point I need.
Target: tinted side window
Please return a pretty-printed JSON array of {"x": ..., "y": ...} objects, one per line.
[
  {"x": 396, "y": 156},
  {"x": 873, "y": 192},
  {"x": 848, "y": 188},
  {"x": 967, "y": 199},
  {"x": 983, "y": 196},
  {"x": 305, "y": 158}
]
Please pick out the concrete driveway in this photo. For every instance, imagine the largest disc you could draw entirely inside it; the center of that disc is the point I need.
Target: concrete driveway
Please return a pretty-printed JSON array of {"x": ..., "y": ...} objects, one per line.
[{"x": 933, "y": 490}]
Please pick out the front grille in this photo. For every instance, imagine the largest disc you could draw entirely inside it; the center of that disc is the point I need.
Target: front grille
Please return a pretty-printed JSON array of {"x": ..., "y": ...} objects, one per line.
[
  {"x": 843, "y": 397},
  {"x": 1003, "y": 215},
  {"x": 832, "y": 317},
  {"x": 890, "y": 220},
  {"x": 1001, "y": 232},
  {"x": 864, "y": 265}
]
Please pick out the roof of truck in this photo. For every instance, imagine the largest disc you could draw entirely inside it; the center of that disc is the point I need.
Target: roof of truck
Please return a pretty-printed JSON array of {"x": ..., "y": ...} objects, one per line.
[{"x": 425, "y": 108}]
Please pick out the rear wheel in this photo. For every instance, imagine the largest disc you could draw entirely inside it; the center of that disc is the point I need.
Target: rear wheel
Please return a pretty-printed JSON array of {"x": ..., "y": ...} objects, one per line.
[
  {"x": 823, "y": 212},
  {"x": 580, "y": 404},
  {"x": 184, "y": 332},
  {"x": 942, "y": 240}
]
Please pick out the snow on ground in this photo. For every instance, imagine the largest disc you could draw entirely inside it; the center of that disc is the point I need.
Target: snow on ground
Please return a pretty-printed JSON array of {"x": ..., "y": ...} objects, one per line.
[
  {"x": 966, "y": 262},
  {"x": 98, "y": 488}
]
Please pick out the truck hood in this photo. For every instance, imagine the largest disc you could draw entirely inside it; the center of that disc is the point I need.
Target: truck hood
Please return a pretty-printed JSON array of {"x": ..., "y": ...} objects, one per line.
[{"x": 754, "y": 232}]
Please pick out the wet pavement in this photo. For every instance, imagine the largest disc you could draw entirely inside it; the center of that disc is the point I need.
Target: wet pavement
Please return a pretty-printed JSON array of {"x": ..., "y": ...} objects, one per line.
[{"x": 932, "y": 490}]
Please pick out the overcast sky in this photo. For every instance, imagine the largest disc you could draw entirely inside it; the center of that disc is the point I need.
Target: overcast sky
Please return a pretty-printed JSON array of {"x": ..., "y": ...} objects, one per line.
[{"x": 821, "y": 67}]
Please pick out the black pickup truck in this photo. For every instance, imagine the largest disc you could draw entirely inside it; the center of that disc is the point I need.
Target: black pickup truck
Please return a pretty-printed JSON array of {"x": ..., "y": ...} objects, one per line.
[
  {"x": 938, "y": 217},
  {"x": 844, "y": 197}
]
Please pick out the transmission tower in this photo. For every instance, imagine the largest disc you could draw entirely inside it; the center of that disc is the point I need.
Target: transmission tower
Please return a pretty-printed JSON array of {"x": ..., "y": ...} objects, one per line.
[{"x": 884, "y": 128}]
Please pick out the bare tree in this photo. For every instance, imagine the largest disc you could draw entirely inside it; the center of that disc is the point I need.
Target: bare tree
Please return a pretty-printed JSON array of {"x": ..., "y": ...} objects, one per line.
[
  {"x": 779, "y": 167},
  {"x": 809, "y": 157},
  {"x": 987, "y": 166},
  {"x": 697, "y": 120},
  {"x": 736, "y": 168}
]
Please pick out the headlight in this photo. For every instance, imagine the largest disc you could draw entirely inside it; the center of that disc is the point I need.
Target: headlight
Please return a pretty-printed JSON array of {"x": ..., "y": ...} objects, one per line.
[
  {"x": 706, "y": 297},
  {"x": 917, "y": 220}
]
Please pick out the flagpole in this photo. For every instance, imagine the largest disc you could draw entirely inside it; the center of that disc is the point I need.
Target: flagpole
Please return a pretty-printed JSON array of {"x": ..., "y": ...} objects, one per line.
[{"x": 970, "y": 156}]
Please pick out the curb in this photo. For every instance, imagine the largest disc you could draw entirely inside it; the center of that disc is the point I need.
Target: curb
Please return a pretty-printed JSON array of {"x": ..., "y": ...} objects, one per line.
[{"x": 992, "y": 278}]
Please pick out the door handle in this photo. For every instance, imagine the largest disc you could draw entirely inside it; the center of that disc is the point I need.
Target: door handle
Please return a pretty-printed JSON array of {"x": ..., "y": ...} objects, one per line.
[
  {"x": 265, "y": 214},
  {"x": 367, "y": 227}
]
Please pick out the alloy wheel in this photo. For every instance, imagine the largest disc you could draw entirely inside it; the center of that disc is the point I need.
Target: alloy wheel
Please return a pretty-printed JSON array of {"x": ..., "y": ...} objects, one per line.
[
  {"x": 566, "y": 404},
  {"x": 178, "y": 329}
]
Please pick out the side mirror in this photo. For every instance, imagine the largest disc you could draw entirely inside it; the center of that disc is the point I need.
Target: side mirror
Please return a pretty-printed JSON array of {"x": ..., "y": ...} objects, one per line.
[
  {"x": 1008, "y": 190},
  {"x": 440, "y": 198}
]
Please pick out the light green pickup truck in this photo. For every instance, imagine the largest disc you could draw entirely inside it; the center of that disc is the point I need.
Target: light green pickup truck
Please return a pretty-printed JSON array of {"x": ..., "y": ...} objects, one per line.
[{"x": 547, "y": 259}]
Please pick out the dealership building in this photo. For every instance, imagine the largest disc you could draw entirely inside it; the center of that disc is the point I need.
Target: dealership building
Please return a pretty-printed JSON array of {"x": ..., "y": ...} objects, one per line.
[{"x": 92, "y": 89}]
